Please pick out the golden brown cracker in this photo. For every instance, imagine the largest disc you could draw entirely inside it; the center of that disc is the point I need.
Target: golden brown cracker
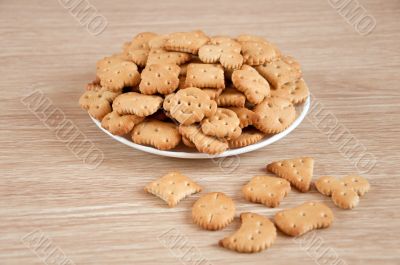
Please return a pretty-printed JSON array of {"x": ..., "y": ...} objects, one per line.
[
  {"x": 205, "y": 76},
  {"x": 161, "y": 135},
  {"x": 120, "y": 124},
  {"x": 137, "y": 104}
]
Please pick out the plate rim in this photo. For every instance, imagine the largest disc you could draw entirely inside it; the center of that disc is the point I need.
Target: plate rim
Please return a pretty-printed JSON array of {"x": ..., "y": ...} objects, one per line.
[{"x": 232, "y": 152}]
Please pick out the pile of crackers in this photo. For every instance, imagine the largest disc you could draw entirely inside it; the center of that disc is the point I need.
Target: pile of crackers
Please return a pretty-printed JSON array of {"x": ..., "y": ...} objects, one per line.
[
  {"x": 216, "y": 210},
  {"x": 210, "y": 93}
]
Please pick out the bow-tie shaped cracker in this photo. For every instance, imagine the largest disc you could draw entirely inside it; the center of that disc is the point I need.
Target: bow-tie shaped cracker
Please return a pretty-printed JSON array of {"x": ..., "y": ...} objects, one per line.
[
  {"x": 224, "y": 50},
  {"x": 345, "y": 191}
]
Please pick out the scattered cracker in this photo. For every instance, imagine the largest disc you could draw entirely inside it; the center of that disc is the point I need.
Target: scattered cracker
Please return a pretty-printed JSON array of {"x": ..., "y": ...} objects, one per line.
[
  {"x": 120, "y": 124},
  {"x": 251, "y": 83},
  {"x": 172, "y": 188},
  {"x": 159, "y": 78},
  {"x": 97, "y": 103},
  {"x": 275, "y": 115},
  {"x": 266, "y": 190},
  {"x": 345, "y": 191},
  {"x": 304, "y": 218},
  {"x": 223, "y": 124},
  {"x": 205, "y": 76},
  {"x": 231, "y": 97},
  {"x": 255, "y": 234},
  {"x": 186, "y": 41},
  {"x": 297, "y": 171},
  {"x": 213, "y": 211},
  {"x": 204, "y": 143},
  {"x": 137, "y": 104},
  {"x": 161, "y": 135}
]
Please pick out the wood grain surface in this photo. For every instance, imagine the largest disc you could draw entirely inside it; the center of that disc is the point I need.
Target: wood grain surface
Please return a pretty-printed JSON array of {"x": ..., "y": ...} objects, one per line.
[{"x": 102, "y": 215}]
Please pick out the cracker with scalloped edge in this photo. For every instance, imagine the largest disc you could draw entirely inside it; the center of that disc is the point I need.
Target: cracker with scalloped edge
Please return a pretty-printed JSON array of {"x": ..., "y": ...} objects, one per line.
[
  {"x": 159, "y": 78},
  {"x": 205, "y": 76},
  {"x": 159, "y": 134},
  {"x": 259, "y": 52},
  {"x": 118, "y": 75},
  {"x": 231, "y": 97},
  {"x": 249, "y": 136},
  {"x": 120, "y": 124},
  {"x": 247, "y": 117},
  {"x": 204, "y": 143},
  {"x": 137, "y": 104},
  {"x": 223, "y": 124},
  {"x": 97, "y": 103},
  {"x": 161, "y": 56},
  {"x": 189, "y": 42},
  {"x": 279, "y": 72},
  {"x": 296, "y": 92}
]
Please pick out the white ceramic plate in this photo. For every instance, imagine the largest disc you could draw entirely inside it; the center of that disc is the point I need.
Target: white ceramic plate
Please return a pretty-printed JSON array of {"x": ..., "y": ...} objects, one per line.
[{"x": 183, "y": 152}]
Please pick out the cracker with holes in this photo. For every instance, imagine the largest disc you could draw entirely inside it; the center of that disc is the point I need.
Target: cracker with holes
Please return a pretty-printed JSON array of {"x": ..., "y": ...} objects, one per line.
[
  {"x": 189, "y": 42},
  {"x": 161, "y": 56},
  {"x": 119, "y": 75},
  {"x": 259, "y": 52},
  {"x": 205, "y": 76},
  {"x": 190, "y": 105},
  {"x": 275, "y": 115},
  {"x": 251, "y": 83},
  {"x": 172, "y": 188},
  {"x": 162, "y": 135},
  {"x": 298, "y": 171},
  {"x": 249, "y": 136},
  {"x": 204, "y": 143},
  {"x": 159, "y": 78},
  {"x": 231, "y": 97},
  {"x": 120, "y": 124},
  {"x": 223, "y": 124},
  {"x": 345, "y": 192},
  {"x": 296, "y": 91},
  {"x": 247, "y": 117},
  {"x": 139, "y": 48},
  {"x": 212, "y": 92},
  {"x": 256, "y": 233},
  {"x": 97, "y": 103},
  {"x": 213, "y": 211},
  {"x": 304, "y": 218},
  {"x": 267, "y": 190},
  {"x": 279, "y": 72},
  {"x": 137, "y": 104}
]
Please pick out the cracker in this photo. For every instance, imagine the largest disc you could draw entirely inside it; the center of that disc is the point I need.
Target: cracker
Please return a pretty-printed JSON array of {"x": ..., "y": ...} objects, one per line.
[
  {"x": 159, "y": 78},
  {"x": 190, "y": 105},
  {"x": 298, "y": 171},
  {"x": 212, "y": 92},
  {"x": 249, "y": 136},
  {"x": 213, "y": 211},
  {"x": 251, "y": 83},
  {"x": 248, "y": 37},
  {"x": 139, "y": 48},
  {"x": 266, "y": 190},
  {"x": 304, "y": 218},
  {"x": 107, "y": 62},
  {"x": 158, "y": 42},
  {"x": 97, "y": 103},
  {"x": 186, "y": 41},
  {"x": 292, "y": 62},
  {"x": 345, "y": 191},
  {"x": 223, "y": 124},
  {"x": 205, "y": 76},
  {"x": 275, "y": 115},
  {"x": 255, "y": 234},
  {"x": 296, "y": 92},
  {"x": 119, "y": 75},
  {"x": 204, "y": 143},
  {"x": 120, "y": 124},
  {"x": 258, "y": 52},
  {"x": 247, "y": 117},
  {"x": 161, "y": 135},
  {"x": 172, "y": 188},
  {"x": 137, "y": 104},
  {"x": 161, "y": 56},
  {"x": 187, "y": 142},
  {"x": 231, "y": 97},
  {"x": 278, "y": 72}
]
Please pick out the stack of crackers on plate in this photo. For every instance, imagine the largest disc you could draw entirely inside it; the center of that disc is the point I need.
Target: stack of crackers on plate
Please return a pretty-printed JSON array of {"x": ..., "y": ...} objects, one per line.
[{"x": 210, "y": 93}]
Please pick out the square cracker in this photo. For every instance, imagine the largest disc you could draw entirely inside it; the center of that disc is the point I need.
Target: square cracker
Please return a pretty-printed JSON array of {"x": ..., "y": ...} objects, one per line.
[{"x": 205, "y": 76}]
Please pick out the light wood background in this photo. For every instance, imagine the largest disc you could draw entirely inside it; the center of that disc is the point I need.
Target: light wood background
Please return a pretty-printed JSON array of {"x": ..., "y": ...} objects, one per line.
[{"x": 103, "y": 216}]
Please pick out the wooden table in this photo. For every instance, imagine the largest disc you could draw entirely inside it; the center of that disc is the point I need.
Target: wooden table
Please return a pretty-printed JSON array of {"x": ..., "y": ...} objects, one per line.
[{"x": 83, "y": 214}]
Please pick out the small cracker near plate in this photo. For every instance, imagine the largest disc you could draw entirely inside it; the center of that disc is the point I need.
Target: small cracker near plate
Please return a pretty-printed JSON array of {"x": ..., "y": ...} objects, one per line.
[
  {"x": 204, "y": 143},
  {"x": 120, "y": 124},
  {"x": 137, "y": 104},
  {"x": 97, "y": 103},
  {"x": 247, "y": 117},
  {"x": 255, "y": 234},
  {"x": 189, "y": 105},
  {"x": 205, "y": 76},
  {"x": 279, "y": 72},
  {"x": 298, "y": 171},
  {"x": 172, "y": 188},
  {"x": 304, "y": 218},
  {"x": 251, "y": 83},
  {"x": 161, "y": 135},
  {"x": 189, "y": 42},
  {"x": 213, "y": 211},
  {"x": 249, "y": 136},
  {"x": 296, "y": 91},
  {"x": 345, "y": 192},
  {"x": 223, "y": 124},
  {"x": 159, "y": 78},
  {"x": 231, "y": 97},
  {"x": 267, "y": 190},
  {"x": 275, "y": 115}
]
